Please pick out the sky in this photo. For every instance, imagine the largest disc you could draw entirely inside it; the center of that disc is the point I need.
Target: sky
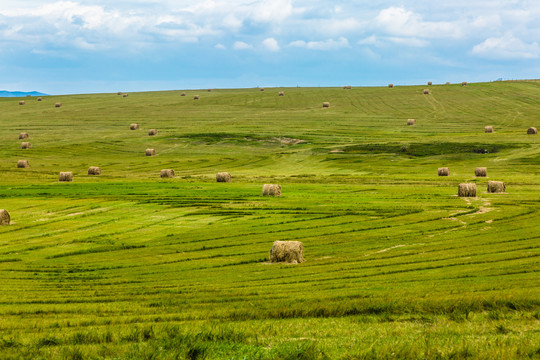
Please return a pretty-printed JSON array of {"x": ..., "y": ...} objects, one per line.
[{"x": 83, "y": 46}]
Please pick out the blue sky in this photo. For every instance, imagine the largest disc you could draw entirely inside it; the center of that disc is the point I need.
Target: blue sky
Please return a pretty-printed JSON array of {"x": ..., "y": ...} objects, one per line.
[{"x": 83, "y": 46}]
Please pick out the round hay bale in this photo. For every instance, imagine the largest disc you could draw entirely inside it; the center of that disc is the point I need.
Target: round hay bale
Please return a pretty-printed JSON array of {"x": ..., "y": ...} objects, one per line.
[
  {"x": 347, "y": 87},
  {"x": 23, "y": 135},
  {"x": 464, "y": 83},
  {"x": 443, "y": 171},
  {"x": 22, "y": 102},
  {"x": 150, "y": 152},
  {"x": 183, "y": 94},
  {"x": 411, "y": 121},
  {"x": 271, "y": 190},
  {"x": 261, "y": 89},
  {"x": 39, "y": 98},
  {"x": 426, "y": 91},
  {"x": 447, "y": 83},
  {"x": 23, "y": 164},
  {"x": 467, "y": 190},
  {"x": 65, "y": 176},
  {"x": 4, "y": 217},
  {"x": 281, "y": 93},
  {"x": 94, "y": 170},
  {"x": 209, "y": 90},
  {"x": 152, "y": 132},
  {"x": 25, "y": 145},
  {"x": 430, "y": 83},
  {"x": 291, "y": 252},
  {"x": 125, "y": 95},
  {"x": 488, "y": 129},
  {"x": 223, "y": 177},
  {"x": 532, "y": 131},
  {"x": 496, "y": 187},
  {"x": 167, "y": 173},
  {"x": 326, "y": 104},
  {"x": 480, "y": 172},
  {"x": 390, "y": 85},
  {"x": 196, "y": 97},
  {"x": 133, "y": 126},
  {"x": 119, "y": 93},
  {"x": 58, "y": 105}
]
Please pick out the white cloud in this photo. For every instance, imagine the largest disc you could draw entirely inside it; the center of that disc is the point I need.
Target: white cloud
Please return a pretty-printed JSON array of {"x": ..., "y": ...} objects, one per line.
[
  {"x": 329, "y": 44},
  {"x": 240, "y": 45},
  {"x": 271, "y": 44},
  {"x": 220, "y": 47},
  {"x": 507, "y": 47}
]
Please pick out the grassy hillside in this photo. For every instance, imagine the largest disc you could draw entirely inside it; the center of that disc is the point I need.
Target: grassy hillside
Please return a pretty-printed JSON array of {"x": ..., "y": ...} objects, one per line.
[{"x": 127, "y": 265}]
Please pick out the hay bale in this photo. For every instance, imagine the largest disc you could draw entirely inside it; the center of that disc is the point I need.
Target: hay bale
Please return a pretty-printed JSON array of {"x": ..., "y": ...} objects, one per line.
[
  {"x": 22, "y": 102},
  {"x": 25, "y": 145},
  {"x": 480, "y": 172},
  {"x": 496, "y": 187},
  {"x": 411, "y": 121},
  {"x": 167, "y": 173},
  {"x": 223, "y": 177},
  {"x": 281, "y": 93},
  {"x": 196, "y": 97},
  {"x": 209, "y": 90},
  {"x": 23, "y": 164},
  {"x": 464, "y": 83},
  {"x": 271, "y": 190},
  {"x": 532, "y": 131},
  {"x": 4, "y": 217},
  {"x": 23, "y": 135},
  {"x": 390, "y": 85},
  {"x": 326, "y": 104},
  {"x": 261, "y": 89},
  {"x": 443, "y": 171},
  {"x": 125, "y": 95},
  {"x": 488, "y": 129},
  {"x": 429, "y": 83},
  {"x": 447, "y": 83},
  {"x": 39, "y": 98},
  {"x": 58, "y": 105},
  {"x": 183, "y": 94},
  {"x": 426, "y": 91},
  {"x": 467, "y": 190},
  {"x": 152, "y": 132},
  {"x": 119, "y": 93},
  {"x": 65, "y": 176},
  {"x": 291, "y": 252},
  {"x": 133, "y": 126},
  {"x": 347, "y": 87},
  {"x": 94, "y": 170},
  {"x": 150, "y": 152}
]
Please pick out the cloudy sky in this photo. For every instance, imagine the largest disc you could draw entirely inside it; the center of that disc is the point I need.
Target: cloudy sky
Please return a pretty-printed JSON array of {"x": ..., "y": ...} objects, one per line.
[{"x": 82, "y": 46}]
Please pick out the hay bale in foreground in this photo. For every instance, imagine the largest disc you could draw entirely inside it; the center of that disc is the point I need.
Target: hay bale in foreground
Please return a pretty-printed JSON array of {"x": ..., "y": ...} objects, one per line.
[
  {"x": 443, "y": 171},
  {"x": 467, "y": 190},
  {"x": 430, "y": 83},
  {"x": 426, "y": 91},
  {"x": 390, "y": 85},
  {"x": 291, "y": 252},
  {"x": 133, "y": 126},
  {"x": 23, "y": 164},
  {"x": 223, "y": 177},
  {"x": 196, "y": 97},
  {"x": 65, "y": 176},
  {"x": 23, "y": 135},
  {"x": 58, "y": 105},
  {"x": 532, "y": 131},
  {"x": 4, "y": 217},
  {"x": 39, "y": 98},
  {"x": 125, "y": 95},
  {"x": 271, "y": 190},
  {"x": 22, "y": 102},
  {"x": 496, "y": 187},
  {"x": 152, "y": 132},
  {"x": 488, "y": 129},
  {"x": 150, "y": 152},
  {"x": 94, "y": 170},
  {"x": 25, "y": 145},
  {"x": 326, "y": 104},
  {"x": 281, "y": 93},
  {"x": 411, "y": 121},
  {"x": 480, "y": 172},
  {"x": 167, "y": 173}
]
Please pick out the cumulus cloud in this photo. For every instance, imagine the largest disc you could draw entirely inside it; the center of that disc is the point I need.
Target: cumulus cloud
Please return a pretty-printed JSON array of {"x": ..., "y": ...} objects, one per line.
[
  {"x": 240, "y": 45},
  {"x": 329, "y": 44},
  {"x": 507, "y": 47},
  {"x": 271, "y": 44},
  {"x": 220, "y": 47}
]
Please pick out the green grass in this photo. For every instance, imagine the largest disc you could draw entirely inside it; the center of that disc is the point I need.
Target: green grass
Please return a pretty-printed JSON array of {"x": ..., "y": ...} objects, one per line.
[{"x": 127, "y": 265}]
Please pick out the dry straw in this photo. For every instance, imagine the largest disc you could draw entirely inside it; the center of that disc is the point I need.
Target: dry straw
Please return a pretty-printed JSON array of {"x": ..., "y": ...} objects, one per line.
[
  {"x": 94, "y": 170},
  {"x": 464, "y": 83},
  {"x": 480, "y": 172},
  {"x": 23, "y": 164},
  {"x": 325, "y": 104},
  {"x": 496, "y": 187},
  {"x": 532, "y": 131},
  {"x": 291, "y": 252},
  {"x": 57, "y": 105},
  {"x": 390, "y": 85},
  {"x": 488, "y": 129},
  {"x": 39, "y": 98},
  {"x": 125, "y": 95},
  {"x": 426, "y": 91},
  {"x": 150, "y": 152},
  {"x": 261, "y": 89},
  {"x": 4, "y": 217},
  {"x": 271, "y": 190},
  {"x": 196, "y": 97},
  {"x": 22, "y": 102},
  {"x": 23, "y": 135},
  {"x": 347, "y": 87},
  {"x": 281, "y": 93},
  {"x": 223, "y": 177},
  {"x": 430, "y": 83},
  {"x": 167, "y": 173},
  {"x": 133, "y": 126},
  {"x": 25, "y": 145},
  {"x": 467, "y": 190},
  {"x": 443, "y": 171},
  {"x": 183, "y": 94},
  {"x": 411, "y": 121},
  {"x": 152, "y": 132},
  {"x": 119, "y": 93},
  {"x": 65, "y": 176}
]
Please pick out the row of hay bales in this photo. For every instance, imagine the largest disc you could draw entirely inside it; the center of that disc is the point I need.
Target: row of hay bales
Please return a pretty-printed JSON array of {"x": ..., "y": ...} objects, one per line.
[
  {"x": 469, "y": 189},
  {"x": 56, "y": 105},
  {"x": 464, "y": 83},
  {"x": 479, "y": 171},
  {"x": 487, "y": 129}
]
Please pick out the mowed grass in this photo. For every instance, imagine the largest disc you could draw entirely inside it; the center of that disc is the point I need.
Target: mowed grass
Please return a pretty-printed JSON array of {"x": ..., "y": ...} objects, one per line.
[{"x": 127, "y": 265}]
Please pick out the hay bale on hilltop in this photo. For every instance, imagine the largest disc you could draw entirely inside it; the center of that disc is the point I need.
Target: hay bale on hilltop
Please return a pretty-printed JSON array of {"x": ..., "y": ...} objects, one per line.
[
  {"x": 125, "y": 95},
  {"x": 496, "y": 187},
  {"x": 167, "y": 173},
  {"x": 119, "y": 93},
  {"x": 411, "y": 121},
  {"x": 133, "y": 126},
  {"x": 430, "y": 83},
  {"x": 467, "y": 190},
  {"x": 291, "y": 252},
  {"x": 281, "y": 93},
  {"x": 22, "y": 102},
  {"x": 532, "y": 131},
  {"x": 347, "y": 87},
  {"x": 426, "y": 91},
  {"x": 94, "y": 170},
  {"x": 261, "y": 89},
  {"x": 23, "y": 164},
  {"x": 196, "y": 97},
  {"x": 58, "y": 105},
  {"x": 209, "y": 90},
  {"x": 4, "y": 217},
  {"x": 223, "y": 177},
  {"x": 25, "y": 145},
  {"x": 326, "y": 104},
  {"x": 480, "y": 172},
  {"x": 65, "y": 176},
  {"x": 443, "y": 171},
  {"x": 183, "y": 94},
  {"x": 39, "y": 98},
  {"x": 271, "y": 190},
  {"x": 152, "y": 132},
  {"x": 390, "y": 85},
  {"x": 464, "y": 83},
  {"x": 23, "y": 135},
  {"x": 488, "y": 129},
  {"x": 150, "y": 152}
]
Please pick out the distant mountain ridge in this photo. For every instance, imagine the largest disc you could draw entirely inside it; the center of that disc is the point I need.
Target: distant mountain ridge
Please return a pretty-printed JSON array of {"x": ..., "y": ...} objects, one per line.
[{"x": 5, "y": 93}]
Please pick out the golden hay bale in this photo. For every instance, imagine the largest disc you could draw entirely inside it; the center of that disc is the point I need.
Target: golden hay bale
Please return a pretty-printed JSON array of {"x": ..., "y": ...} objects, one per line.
[
  {"x": 22, "y": 102},
  {"x": 480, "y": 172},
  {"x": 464, "y": 83},
  {"x": 57, "y": 105},
  {"x": 133, "y": 126},
  {"x": 426, "y": 91},
  {"x": 390, "y": 85},
  {"x": 411, "y": 121},
  {"x": 23, "y": 135},
  {"x": 152, "y": 132},
  {"x": 23, "y": 164},
  {"x": 447, "y": 83},
  {"x": 209, "y": 90},
  {"x": 271, "y": 190},
  {"x": 281, "y": 93},
  {"x": 444, "y": 171},
  {"x": 196, "y": 97},
  {"x": 39, "y": 98},
  {"x": 25, "y": 145},
  {"x": 119, "y": 93},
  {"x": 94, "y": 170},
  {"x": 65, "y": 176},
  {"x": 223, "y": 177},
  {"x": 532, "y": 131},
  {"x": 125, "y": 95},
  {"x": 467, "y": 190},
  {"x": 183, "y": 94},
  {"x": 325, "y": 104},
  {"x": 4, "y": 217},
  {"x": 347, "y": 87},
  {"x": 167, "y": 173},
  {"x": 291, "y": 252},
  {"x": 488, "y": 129},
  {"x": 261, "y": 89},
  {"x": 496, "y": 187},
  {"x": 150, "y": 152},
  {"x": 430, "y": 83}
]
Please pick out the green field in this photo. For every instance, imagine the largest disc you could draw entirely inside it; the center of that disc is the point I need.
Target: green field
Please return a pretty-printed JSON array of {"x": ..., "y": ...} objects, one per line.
[{"x": 127, "y": 265}]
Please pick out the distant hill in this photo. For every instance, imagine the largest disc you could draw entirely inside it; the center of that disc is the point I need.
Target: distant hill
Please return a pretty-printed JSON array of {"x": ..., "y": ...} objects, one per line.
[{"x": 5, "y": 93}]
